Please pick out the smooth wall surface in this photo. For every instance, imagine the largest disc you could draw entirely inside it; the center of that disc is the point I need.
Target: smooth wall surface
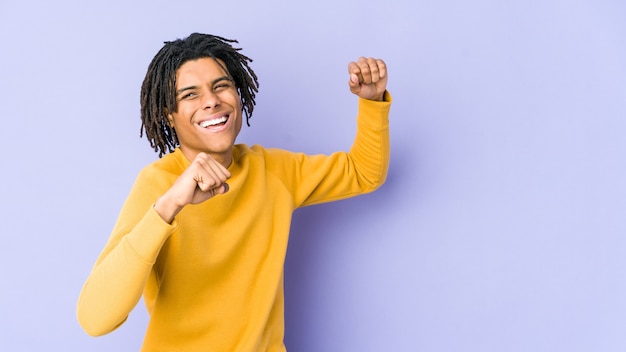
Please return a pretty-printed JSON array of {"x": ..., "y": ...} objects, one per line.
[{"x": 502, "y": 226}]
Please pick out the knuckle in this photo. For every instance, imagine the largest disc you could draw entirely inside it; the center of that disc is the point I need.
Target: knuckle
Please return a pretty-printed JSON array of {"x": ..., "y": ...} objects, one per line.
[{"x": 210, "y": 182}]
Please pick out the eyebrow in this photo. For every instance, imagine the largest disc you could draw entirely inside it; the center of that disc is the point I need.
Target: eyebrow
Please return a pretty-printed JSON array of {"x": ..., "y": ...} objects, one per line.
[{"x": 215, "y": 81}]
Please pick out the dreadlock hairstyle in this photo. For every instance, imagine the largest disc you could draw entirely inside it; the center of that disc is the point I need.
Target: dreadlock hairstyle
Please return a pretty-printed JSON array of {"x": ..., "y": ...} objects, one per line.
[{"x": 158, "y": 91}]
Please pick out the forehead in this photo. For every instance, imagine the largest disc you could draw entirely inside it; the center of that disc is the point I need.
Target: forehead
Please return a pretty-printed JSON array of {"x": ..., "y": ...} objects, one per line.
[{"x": 202, "y": 69}]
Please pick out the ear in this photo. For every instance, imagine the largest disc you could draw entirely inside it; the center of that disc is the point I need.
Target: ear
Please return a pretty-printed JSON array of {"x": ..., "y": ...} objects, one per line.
[{"x": 170, "y": 118}]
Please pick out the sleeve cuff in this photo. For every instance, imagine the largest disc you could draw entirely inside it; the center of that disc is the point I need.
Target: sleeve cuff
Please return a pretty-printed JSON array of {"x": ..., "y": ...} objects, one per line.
[{"x": 149, "y": 235}]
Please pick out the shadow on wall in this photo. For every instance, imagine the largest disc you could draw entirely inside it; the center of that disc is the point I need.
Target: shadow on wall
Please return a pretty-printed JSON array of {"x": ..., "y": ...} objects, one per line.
[{"x": 327, "y": 242}]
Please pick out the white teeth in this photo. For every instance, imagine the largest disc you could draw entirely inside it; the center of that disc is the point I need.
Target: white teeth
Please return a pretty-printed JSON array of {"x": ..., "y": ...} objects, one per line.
[{"x": 213, "y": 122}]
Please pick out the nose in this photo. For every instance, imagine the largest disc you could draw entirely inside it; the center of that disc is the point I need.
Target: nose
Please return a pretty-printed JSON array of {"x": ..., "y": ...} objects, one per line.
[{"x": 211, "y": 100}]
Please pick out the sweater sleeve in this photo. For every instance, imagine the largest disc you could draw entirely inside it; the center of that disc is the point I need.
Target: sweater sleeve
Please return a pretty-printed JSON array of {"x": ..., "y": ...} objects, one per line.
[
  {"x": 120, "y": 273},
  {"x": 317, "y": 179},
  {"x": 370, "y": 150}
]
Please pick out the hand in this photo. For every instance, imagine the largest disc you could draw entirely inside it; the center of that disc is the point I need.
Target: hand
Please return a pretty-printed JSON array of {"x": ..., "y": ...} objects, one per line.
[
  {"x": 203, "y": 179},
  {"x": 368, "y": 78}
]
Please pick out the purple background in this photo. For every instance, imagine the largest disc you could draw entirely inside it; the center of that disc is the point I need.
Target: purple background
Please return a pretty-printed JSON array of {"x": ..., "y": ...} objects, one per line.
[{"x": 502, "y": 225}]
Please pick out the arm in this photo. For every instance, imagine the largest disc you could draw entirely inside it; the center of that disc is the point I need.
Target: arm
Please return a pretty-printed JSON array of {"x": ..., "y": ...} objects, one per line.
[
  {"x": 320, "y": 178},
  {"x": 121, "y": 271},
  {"x": 370, "y": 150},
  {"x": 146, "y": 221}
]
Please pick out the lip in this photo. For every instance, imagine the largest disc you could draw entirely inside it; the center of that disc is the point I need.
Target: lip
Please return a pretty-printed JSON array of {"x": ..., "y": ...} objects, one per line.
[{"x": 217, "y": 128}]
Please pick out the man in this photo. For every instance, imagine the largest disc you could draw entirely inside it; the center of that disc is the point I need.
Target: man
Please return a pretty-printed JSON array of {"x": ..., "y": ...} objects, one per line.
[{"x": 203, "y": 233}]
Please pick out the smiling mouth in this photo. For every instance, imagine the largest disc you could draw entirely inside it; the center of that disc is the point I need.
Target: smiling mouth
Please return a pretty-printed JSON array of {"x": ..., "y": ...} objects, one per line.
[{"x": 220, "y": 121}]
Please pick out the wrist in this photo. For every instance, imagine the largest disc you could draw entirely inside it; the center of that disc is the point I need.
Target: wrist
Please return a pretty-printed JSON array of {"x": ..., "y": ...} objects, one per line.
[
  {"x": 166, "y": 209},
  {"x": 378, "y": 97}
]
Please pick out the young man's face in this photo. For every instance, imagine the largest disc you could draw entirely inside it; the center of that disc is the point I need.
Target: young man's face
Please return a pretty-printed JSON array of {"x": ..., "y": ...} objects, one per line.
[{"x": 209, "y": 110}]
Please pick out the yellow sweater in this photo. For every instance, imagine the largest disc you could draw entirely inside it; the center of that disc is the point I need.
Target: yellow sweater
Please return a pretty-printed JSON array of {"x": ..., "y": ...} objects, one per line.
[{"x": 213, "y": 279}]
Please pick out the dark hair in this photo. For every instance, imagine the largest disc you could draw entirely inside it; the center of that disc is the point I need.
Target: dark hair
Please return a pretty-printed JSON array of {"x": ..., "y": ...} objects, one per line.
[{"x": 158, "y": 91}]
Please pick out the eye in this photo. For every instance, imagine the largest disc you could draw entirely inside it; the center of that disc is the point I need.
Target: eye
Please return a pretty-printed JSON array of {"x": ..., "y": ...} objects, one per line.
[
  {"x": 187, "y": 96},
  {"x": 222, "y": 85}
]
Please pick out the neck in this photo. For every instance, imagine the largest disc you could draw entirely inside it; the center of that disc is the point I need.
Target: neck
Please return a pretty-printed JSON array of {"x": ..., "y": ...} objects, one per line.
[{"x": 223, "y": 158}]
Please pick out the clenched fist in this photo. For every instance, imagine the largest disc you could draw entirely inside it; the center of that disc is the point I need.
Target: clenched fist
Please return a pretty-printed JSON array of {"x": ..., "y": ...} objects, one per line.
[
  {"x": 368, "y": 78},
  {"x": 203, "y": 179}
]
